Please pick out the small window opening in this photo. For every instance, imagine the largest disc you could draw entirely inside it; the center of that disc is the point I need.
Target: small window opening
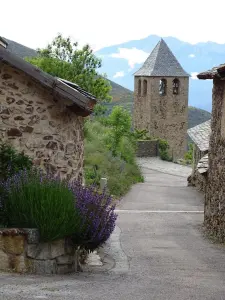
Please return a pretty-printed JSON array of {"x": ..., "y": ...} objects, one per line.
[
  {"x": 139, "y": 87},
  {"x": 145, "y": 87},
  {"x": 162, "y": 87},
  {"x": 176, "y": 86}
]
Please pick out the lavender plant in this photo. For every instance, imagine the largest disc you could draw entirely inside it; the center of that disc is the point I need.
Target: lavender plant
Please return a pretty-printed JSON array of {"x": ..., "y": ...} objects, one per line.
[
  {"x": 97, "y": 213},
  {"x": 35, "y": 200},
  {"x": 58, "y": 209}
]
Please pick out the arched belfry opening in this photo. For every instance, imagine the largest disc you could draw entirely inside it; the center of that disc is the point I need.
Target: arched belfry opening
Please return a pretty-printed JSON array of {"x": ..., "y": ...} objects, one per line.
[
  {"x": 176, "y": 86},
  {"x": 139, "y": 87},
  {"x": 162, "y": 87},
  {"x": 145, "y": 87}
]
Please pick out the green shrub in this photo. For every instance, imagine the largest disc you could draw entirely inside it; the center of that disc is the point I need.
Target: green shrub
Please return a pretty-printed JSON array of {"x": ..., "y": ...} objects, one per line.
[
  {"x": 120, "y": 124},
  {"x": 141, "y": 135},
  {"x": 163, "y": 150},
  {"x": 189, "y": 155},
  {"x": 11, "y": 161},
  {"x": 120, "y": 170},
  {"x": 34, "y": 200}
]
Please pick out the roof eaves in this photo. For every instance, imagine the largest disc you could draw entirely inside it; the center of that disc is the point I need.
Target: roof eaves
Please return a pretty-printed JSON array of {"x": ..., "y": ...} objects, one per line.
[
  {"x": 216, "y": 72},
  {"x": 58, "y": 87}
]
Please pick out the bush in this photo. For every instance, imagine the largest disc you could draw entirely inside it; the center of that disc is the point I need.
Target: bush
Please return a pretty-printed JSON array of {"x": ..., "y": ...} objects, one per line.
[
  {"x": 120, "y": 170},
  {"x": 141, "y": 135},
  {"x": 58, "y": 209},
  {"x": 189, "y": 155},
  {"x": 120, "y": 123},
  {"x": 35, "y": 200},
  {"x": 163, "y": 150},
  {"x": 97, "y": 213},
  {"x": 11, "y": 161}
]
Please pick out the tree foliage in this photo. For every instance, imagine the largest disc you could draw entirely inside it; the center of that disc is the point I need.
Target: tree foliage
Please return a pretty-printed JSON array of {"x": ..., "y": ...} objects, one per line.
[
  {"x": 120, "y": 122},
  {"x": 63, "y": 58}
]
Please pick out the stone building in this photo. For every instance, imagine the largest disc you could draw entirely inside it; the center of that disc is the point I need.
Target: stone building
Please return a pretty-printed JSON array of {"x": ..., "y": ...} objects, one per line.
[
  {"x": 43, "y": 115},
  {"x": 200, "y": 135},
  {"x": 214, "y": 215},
  {"x": 161, "y": 99}
]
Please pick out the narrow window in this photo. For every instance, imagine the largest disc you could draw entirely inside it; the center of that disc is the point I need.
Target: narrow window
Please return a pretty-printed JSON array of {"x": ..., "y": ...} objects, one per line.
[
  {"x": 162, "y": 87},
  {"x": 139, "y": 87},
  {"x": 145, "y": 87},
  {"x": 176, "y": 86}
]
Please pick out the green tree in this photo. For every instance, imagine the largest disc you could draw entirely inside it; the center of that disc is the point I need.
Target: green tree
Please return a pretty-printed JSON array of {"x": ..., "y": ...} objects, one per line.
[
  {"x": 62, "y": 58},
  {"x": 120, "y": 123}
]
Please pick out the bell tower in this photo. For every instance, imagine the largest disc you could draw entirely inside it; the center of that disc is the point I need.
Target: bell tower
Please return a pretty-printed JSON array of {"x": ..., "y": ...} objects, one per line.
[{"x": 161, "y": 99}]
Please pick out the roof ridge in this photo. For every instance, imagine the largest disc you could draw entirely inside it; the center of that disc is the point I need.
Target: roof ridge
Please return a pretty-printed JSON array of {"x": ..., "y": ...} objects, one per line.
[{"x": 161, "y": 62}]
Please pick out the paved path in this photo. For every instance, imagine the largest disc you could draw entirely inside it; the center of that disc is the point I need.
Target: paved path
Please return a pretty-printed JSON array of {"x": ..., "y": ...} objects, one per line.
[{"x": 159, "y": 250}]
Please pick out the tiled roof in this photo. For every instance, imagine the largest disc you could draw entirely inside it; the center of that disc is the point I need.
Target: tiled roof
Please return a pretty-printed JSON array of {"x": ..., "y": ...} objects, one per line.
[
  {"x": 79, "y": 100},
  {"x": 161, "y": 62},
  {"x": 203, "y": 164},
  {"x": 200, "y": 135},
  {"x": 216, "y": 72},
  {"x": 20, "y": 50}
]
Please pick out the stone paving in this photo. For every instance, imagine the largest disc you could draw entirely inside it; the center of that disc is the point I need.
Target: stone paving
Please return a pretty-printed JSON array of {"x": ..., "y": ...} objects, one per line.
[
  {"x": 157, "y": 252},
  {"x": 155, "y": 163}
]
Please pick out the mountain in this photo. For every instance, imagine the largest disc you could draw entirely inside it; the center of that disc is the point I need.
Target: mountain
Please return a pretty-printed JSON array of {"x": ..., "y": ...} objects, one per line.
[
  {"x": 121, "y": 61},
  {"x": 121, "y": 95},
  {"x": 124, "y": 97}
]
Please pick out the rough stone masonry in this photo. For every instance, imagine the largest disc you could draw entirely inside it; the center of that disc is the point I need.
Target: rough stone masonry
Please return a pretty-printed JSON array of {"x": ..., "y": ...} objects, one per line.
[{"x": 32, "y": 120}]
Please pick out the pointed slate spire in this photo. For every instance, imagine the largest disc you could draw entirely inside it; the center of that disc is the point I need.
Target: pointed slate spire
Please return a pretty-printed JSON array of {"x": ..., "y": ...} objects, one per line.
[{"x": 161, "y": 62}]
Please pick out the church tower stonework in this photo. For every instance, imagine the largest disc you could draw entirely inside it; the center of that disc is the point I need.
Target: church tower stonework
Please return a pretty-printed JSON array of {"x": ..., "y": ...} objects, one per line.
[{"x": 161, "y": 99}]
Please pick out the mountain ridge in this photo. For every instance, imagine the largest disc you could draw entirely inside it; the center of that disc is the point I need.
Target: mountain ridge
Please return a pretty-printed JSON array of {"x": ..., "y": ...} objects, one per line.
[
  {"x": 121, "y": 61},
  {"x": 121, "y": 95}
]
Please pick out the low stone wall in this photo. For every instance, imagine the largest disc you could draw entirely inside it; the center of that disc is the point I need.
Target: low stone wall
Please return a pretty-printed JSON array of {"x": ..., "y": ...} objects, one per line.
[
  {"x": 147, "y": 148},
  {"x": 198, "y": 180},
  {"x": 21, "y": 252}
]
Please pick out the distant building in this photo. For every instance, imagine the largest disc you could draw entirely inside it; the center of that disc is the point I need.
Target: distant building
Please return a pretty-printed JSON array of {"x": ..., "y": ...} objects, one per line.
[
  {"x": 215, "y": 191},
  {"x": 161, "y": 99},
  {"x": 200, "y": 135}
]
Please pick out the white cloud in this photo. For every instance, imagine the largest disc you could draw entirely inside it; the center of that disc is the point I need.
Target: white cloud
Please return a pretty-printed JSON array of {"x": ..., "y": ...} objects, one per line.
[
  {"x": 119, "y": 74},
  {"x": 132, "y": 55},
  {"x": 191, "y": 55},
  {"x": 194, "y": 75}
]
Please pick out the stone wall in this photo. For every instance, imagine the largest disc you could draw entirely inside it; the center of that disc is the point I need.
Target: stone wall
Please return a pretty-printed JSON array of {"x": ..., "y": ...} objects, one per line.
[
  {"x": 21, "y": 252},
  {"x": 197, "y": 155},
  {"x": 166, "y": 116},
  {"x": 147, "y": 148},
  {"x": 33, "y": 121},
  {"x": 198, "y": 180},
  {"x": 215, "y": 193}
]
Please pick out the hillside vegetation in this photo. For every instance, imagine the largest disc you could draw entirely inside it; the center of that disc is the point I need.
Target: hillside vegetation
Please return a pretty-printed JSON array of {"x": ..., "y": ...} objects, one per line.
[{"x": 124, "y": 97}]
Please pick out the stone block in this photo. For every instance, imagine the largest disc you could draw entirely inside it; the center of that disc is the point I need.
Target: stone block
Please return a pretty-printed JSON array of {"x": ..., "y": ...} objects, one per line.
[
  {"x": 12, "y": 262},
  {"x": 148, "y": 148},
  {"x": 41, "y": 266},
  {"x": 14, "y": 132},
  {"x": 103, "y": 184},
  {"x": 46, "y": 250},
  {"x": 33, "y": 235},
  {"x": 57, "y": 248},
  {"x": 13, "y": 244},
  {"x": 65, "y": 269},
  {"x": 4, "y": 261},
  {"x": 65, "y": 259}
]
